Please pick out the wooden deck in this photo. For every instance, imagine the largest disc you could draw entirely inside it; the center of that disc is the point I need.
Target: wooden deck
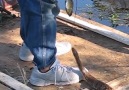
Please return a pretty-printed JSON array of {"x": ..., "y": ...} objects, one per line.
[{"x": 106, "y": 59}]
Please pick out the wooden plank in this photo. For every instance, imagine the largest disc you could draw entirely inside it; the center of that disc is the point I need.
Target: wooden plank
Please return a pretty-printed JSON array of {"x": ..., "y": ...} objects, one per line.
[
  {"x": 95, "y": 27},
  {"x": 121, "y": 83},
  {"x": 3, "y": 87},
  {"x": 11, "y": 82}
]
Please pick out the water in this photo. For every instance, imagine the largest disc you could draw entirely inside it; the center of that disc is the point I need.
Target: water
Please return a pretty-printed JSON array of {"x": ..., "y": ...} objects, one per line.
[{"x": 89, "y": 9}]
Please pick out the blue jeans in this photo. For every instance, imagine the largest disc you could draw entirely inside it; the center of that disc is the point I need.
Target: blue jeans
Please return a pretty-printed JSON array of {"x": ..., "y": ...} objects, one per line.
[{"x": 38, "y": 29}]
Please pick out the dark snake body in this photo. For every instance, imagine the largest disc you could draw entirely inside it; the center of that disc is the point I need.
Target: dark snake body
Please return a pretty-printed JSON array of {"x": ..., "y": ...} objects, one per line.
[{"x": 94, "y": 83}]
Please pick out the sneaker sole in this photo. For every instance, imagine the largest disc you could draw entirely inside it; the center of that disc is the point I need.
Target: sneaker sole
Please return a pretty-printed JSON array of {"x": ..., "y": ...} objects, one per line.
[{"x": 40, "y": 82}]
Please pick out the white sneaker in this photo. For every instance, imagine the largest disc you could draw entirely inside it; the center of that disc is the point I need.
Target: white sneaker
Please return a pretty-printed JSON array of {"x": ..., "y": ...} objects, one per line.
[
  {"x": 26, "y": 55},
  {"x": 57, "y": 75}
]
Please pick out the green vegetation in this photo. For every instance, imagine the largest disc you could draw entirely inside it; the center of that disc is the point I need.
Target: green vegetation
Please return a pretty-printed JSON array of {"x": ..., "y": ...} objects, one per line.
[
  {"x": 114, "y": 17},
  {"x": 105, "y": 11}
]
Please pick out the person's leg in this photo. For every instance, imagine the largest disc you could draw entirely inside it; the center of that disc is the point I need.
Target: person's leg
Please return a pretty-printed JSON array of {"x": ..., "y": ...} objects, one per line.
[
  {"x": 26, "y": 55},
  {"x": 62, "y": 47},
  {"x": 38, "y": 31}
]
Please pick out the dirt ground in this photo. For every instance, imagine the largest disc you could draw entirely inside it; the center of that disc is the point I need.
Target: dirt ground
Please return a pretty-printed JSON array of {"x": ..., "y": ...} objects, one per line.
[{"x": 106, "y": 59}]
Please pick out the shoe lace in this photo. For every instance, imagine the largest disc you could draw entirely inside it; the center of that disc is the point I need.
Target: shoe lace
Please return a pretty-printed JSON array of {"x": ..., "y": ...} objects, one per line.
[{"x": 65, "y": 68}]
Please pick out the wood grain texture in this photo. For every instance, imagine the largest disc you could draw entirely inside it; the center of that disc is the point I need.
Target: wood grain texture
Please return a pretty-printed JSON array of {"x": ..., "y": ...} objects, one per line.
[{"x": 11, "y": 82}]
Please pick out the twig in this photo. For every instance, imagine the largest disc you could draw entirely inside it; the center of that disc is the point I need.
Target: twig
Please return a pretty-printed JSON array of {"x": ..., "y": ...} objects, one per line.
[{"x": 23, "y": 74}]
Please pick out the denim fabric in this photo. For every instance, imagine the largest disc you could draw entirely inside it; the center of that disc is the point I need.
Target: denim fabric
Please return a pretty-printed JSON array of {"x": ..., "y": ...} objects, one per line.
[{"x": 38, "y": 29}]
